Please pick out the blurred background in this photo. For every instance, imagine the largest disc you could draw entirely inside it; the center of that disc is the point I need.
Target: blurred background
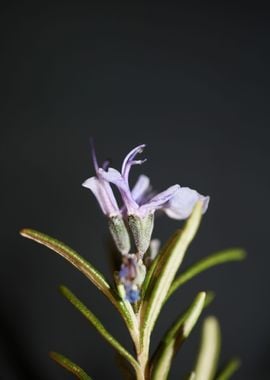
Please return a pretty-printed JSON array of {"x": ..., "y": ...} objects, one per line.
[{"x": 192, "y": 82}]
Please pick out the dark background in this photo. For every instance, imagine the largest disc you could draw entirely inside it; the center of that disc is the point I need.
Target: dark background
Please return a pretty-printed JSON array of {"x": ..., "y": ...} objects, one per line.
[{"x": 190, "y": 82}]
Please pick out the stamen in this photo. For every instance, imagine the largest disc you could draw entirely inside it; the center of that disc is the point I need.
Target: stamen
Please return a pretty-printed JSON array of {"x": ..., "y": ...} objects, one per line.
[
  {"x": 137, "y": 162},
  {"x": 94, "y": 156},
  {"x": 129, "y": 158}
]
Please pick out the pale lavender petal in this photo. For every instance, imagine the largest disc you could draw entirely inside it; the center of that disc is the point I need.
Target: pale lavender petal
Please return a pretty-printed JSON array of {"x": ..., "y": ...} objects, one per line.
[
  {"x": 182, "y": 203},
  {"x": 141, "y": 187},
  {"x": 104, "y": 195},
  {"x": 205, "y": 200},
  {"x": 160, "y": 199},
  {"x": 114, "y": 176},
  {"x": 129, "y": 160}
]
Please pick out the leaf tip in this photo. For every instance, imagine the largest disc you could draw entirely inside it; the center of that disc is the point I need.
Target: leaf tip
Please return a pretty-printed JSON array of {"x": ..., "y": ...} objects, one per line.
[
  {"x": 210, "y": 296},
  {"x": 211, "y": 320},
  {"x": 237, "y": 362},
  {"x": 24, "y": 232},
  {"x": 202, "y": 294},
  {"x": 53, "y": 355},
  {"x": 239, "y": 253},
  {"x": 242, "y": 254},
  {"x": 63, "y": 289},
  {"x": 194, "y": 314}
]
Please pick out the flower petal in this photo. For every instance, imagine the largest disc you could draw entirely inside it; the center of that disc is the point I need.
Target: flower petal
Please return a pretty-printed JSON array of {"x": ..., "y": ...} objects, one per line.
[
  {"x": 104, "y": 195},
  {"x": 182, "y": 203},
  {"x": 114, "y": 176},
  {"x": 141, "y": 188},
  {"x": 160, "y": 199}
]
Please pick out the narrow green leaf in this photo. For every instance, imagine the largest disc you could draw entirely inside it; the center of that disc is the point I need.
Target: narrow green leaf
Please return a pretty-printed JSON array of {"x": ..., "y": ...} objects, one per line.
[
  {"x": 72, "y": 256},
  {"x": 164, "y": 273},
  {"x": 175, "y": 336},
  {"x": 98, "y": 325},
  {"x": 86, "y": 268},
  {"x": 191, "y": 376},
  {"x": 229, "y": 370},
  {"x": 149, "y": 278},
  {"x": 70, "y": 366},
  {"x": 209, "y": 350},
  {"x": 228, "y": 255},
  {"x": 210, "y": 296}
]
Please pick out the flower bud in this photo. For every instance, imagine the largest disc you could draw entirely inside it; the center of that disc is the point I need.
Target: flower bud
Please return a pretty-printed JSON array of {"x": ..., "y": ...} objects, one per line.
[
  {"x": 132, "y": 294},
  {"x": 131, "y": 276}
]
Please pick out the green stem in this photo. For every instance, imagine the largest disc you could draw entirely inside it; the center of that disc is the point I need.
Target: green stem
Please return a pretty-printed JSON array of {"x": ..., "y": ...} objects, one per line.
[
  {"x": 143, "y": 360},
  {"x": 142, "y": 351}
]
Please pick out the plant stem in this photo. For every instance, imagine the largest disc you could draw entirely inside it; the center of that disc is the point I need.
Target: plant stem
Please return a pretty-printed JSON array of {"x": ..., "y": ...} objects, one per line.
[
  {"x": 143, "y": 372},
  {"x": 142, "y": 353}
]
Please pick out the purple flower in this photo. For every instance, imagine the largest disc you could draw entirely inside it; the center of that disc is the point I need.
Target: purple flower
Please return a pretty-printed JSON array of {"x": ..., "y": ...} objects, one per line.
[
  {"x": 140, "y": 205},
  {"x": 134, "y": 200},
  {"x": 108, "y": 204},
  {"x": 181, "y": 204},
  {"x": 102, "y": 189}
]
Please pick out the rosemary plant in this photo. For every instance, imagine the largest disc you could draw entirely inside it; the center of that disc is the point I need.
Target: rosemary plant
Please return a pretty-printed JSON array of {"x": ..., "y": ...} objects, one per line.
[{"x": 148, "y": 276}]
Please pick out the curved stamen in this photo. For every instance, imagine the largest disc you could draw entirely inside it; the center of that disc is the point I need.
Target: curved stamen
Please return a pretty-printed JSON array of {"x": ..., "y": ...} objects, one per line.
[{"x": 128, "y": 161}]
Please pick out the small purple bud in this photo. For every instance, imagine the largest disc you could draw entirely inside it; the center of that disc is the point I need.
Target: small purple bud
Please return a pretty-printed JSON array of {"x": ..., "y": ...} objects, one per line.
[
  {"x": 131, "y": 276},
  {"x": 132, "y": 295}
]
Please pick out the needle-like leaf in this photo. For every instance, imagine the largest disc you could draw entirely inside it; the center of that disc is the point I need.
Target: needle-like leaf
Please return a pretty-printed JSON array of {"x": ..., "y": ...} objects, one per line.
[
  {"x": 149, "y": 280},
  {"x": 191, "y": 376},
  {"x": 164, "y": 274},
  {"x": 229, "y": 370},
  {"x": 228, "y": 255},
  {"x": 175, "y": 336},
  {"x": 98, "y": 325},
  {"x": 209, "y": 350},
  {"x": 86, "y": 268},
  {"x": 70, "y": 366}
]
